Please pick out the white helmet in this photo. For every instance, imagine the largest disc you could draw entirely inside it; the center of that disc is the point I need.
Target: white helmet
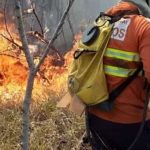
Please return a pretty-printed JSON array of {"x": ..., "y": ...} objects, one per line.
[{"x": 143, "y": 5}]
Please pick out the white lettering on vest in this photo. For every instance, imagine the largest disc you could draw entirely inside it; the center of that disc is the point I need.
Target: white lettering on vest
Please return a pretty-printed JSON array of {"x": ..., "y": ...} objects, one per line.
[
  {"x": 120, "y": 29},
  {"x": 148, "y": 19}
]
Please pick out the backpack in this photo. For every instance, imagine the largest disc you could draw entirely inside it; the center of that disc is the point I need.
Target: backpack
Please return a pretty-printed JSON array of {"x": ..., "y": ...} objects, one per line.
[
  {"x": 87, "y": 83},
  {"x": 87, "y": 79}
]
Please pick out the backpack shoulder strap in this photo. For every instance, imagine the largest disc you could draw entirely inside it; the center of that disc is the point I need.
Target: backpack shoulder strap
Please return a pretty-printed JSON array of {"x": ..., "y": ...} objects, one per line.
[
  {"x": 108, "y": 104},
  {"x": 115, "y": 18},
  {"x": 117, "y": 91}
]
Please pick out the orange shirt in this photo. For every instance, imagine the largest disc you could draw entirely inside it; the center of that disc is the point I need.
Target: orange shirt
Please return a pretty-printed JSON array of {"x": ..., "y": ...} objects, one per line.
[{"x": 135, "y": 37}]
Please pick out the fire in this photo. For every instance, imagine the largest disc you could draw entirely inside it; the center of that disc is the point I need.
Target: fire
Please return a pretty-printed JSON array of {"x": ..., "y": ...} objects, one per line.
[{"x": 14, "y": 69}]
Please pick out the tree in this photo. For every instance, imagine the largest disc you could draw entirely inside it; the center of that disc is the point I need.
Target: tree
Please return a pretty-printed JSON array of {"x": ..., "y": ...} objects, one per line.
[{"x": 33, "y": 69}]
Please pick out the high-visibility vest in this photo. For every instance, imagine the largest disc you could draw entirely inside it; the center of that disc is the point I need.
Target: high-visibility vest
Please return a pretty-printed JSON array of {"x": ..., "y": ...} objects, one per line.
[
  {"x": 128, "y": 46},
  {"x": 123, "y": 56}
]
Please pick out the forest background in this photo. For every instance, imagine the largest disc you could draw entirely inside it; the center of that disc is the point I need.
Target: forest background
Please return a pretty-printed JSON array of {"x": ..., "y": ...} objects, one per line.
[{"x": 50, "y": 128}]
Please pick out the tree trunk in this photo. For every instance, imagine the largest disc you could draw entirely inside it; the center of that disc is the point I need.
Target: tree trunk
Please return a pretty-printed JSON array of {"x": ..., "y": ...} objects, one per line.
[{"x": 32, "y": 69}]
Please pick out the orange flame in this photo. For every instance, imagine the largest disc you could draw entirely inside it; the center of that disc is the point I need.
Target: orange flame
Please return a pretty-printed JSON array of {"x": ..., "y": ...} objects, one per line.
[{"x": 14, "y": 68}]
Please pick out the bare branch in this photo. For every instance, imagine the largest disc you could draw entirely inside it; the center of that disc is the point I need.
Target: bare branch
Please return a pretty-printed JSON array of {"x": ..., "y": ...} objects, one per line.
[
  {"x": 63, "y": 35},
  {"x": 70, "y": 25},
  {"x": 40, "y": 37},
  {"x": 23, "y": 35},
  {"x": 6, "y": 21},
  {"x": 12, "y": 41},
  {"x": 60, "y": 24},
  {"x": 9, "y": 55},
  {"x": 36, "y": 16}
]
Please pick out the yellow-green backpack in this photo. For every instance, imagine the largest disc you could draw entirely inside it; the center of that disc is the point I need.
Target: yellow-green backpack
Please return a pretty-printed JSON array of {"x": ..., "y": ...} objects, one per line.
[
  {"x": 87, "y": 84},
  {"x": 86, "y": 79}
]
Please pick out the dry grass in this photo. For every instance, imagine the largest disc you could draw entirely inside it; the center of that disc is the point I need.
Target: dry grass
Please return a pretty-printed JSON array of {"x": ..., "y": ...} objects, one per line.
[{"x": 51, "y": 128}]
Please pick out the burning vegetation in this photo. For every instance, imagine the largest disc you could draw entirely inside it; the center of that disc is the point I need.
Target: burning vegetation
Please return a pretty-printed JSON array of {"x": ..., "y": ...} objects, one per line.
[
  {"x": 51, "y": 128},
  {"x": 14, "y": 68}
]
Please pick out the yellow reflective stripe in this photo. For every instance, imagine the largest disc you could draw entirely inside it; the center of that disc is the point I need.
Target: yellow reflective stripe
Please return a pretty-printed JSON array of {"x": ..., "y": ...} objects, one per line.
[
  {"x": 117, "y": 71},
  {"x": 121, "y": 54}
]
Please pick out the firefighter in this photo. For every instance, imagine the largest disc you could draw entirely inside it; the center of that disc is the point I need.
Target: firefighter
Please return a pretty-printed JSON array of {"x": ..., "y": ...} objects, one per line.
[{"x": 129, "y": 45}]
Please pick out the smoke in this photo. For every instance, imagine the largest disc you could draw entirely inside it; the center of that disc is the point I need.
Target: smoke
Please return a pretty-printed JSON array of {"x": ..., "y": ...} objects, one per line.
[
  {"x": 84, "y": 12},
  {"x": 81, "y": 14},
  {"x": 49, "y": 13},
  {"x": 88, "y": 10}
]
